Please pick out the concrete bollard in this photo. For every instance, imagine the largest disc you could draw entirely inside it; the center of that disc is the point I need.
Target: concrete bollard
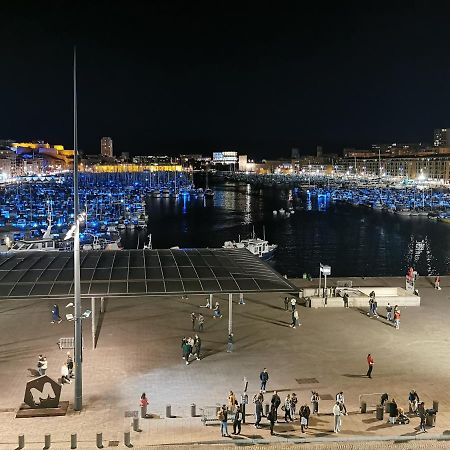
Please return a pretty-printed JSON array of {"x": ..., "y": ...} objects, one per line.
[
  {"x": 363, "y": 407},
  {"x": 127, "y": 438},
  {"x": 136, "y": 424},
  {"x": 73, "y": 440},
  {"x": 193, "y": 410},
  {"x": 168, "y": 411},
  {"x": 47, "y": 441},
  {"x": 436, "y": 405},
  {"x": 99, "y": 440},
  {"x": 21, "y": 441}
]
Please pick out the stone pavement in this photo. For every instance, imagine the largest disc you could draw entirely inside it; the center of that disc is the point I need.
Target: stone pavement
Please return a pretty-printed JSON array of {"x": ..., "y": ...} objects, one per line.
[{"x": 139, "y": 350}]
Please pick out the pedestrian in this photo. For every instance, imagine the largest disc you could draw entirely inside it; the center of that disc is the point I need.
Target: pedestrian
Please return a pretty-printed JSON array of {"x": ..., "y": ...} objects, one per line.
[
  {"x": 375, "y": 308},
  {"x": 437, "y": 283},
  {"x": 42, "y": 365},
  {"x": 216, "y": 311},
  {"x": 230, "y": 343},
  {"x": 264, "y": 378},
  {"x": 414, "y": 401},
  {"x": 193, "y": 320},
  {"x": 286, "y": 303},
  {"x": 55, "y": 314},
  {"x": 65, "y": 374},
  {"x": 397, "y": 319},
  {"x": 186, "y": 351},
  {"x": 237, "y": 421},
  {"x": 422, "y": 414},
  {"x": 393, "y": 412},
  {"x": 259, "y": 396},
  {"x": 287, "y": 409},
  {"x": 143, "y": 403},
  {"x": 231, "y": 401},
  {"x": 370, "y": 363},
  {"x": 389, "y": 312},
  {"x": 197, "y": 347},
  {"x": 294, "y": 401},
  {"x": 223, "y": 419},
  {"x": 69, "y": 363},
  {"x": 315, "y": 402},
  {"x": 304, "y": 417},
  {"x": 384, "y": 399},
  {"x": 340, "y": 399},
  {"x": 272, "y": 417},
  {"x": 183, "y": 354},
  {"x": 258, "y": 412},
  {"x": 295, "y": 319},
  {"x": 275, "y": 403},
  {"x": 346, "y": 300},
  {"x": 337, "y": 417},
  {"x": 370, "y": 313},
  {"x": 293, "y": 303},
  {"x": 201, "y": 322}
]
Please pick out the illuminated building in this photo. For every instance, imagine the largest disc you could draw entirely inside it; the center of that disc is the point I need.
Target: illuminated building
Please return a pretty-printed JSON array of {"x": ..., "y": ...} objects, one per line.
[
  {"x": 225, "y": 157},
  {"x": 106, "y": 145},
  {"x": 441, "y": 137}
]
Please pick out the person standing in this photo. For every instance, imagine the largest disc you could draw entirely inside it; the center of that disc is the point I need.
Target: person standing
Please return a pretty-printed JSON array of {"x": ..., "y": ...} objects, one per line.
[
  {"x": 55, "y": 314},
  {"x": 201, "y": 322},
  {"x": 286, "y": 303},
  {"x": 304, "y": 417},
  {"x": 389, "y": 312},
  {"x": 183, "y": 354},
  {"x": 294, "y": 401},
  {"x": 143, "y": 403},
  {"x": 223, "y": 418},
  {"x": 397, "y": 319},
  {"x": 375, "y": 308},
  {"x": 264, "y": 378},
  {"x": 287, "y": 409},
  {"x": 295, "y": 319},
  {"x": 65, "y": 374},
  {"x": 437, "y": 283},
  {"x": 231, "y": 401},
  {"x": 293, "y": 303},
  {"x": 237, "y": 421},
  {"x": 422, "y": 414},
  {"x": 414, "y": 401},
  {"x": 370, "y": 363},
  {"x": 197, "y": 347},
  {"x": 340, "y": 399},
  {"x": 230, "y": 343},
  {"x": 275, "y": 403},
  {"x": 337, "y": 417},
  {"x": 193, "y": 320},
  {"x": 393, "y": 412},
  {"x": 315, "y": 402},
  {"x": 272, "y": 417},
  {"x": 186, "y": 351},
  {"x": 346, "y": 300},
  {"x": 258, "y": 412},
  {"x": 69, "y": 363}
]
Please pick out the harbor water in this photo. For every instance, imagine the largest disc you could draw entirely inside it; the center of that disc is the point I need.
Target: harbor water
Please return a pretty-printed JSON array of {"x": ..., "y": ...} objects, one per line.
[{"x": 353, "y": 240}]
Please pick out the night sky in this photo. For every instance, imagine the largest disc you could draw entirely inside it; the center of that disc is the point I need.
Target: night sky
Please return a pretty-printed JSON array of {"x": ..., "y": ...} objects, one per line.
[{"x": 260, "y": 78}]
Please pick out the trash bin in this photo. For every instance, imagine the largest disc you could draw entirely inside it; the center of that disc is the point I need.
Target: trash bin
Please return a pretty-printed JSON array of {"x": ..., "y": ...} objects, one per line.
[
  {"x": 168, "y": 411},
  {"x": 380, "y": 412},
  {"x": 193, "y": 410},
  {"x": 436, "y": 405},
  {"x": 430, "y": 418},
  {"x": 363, "y": 407}
]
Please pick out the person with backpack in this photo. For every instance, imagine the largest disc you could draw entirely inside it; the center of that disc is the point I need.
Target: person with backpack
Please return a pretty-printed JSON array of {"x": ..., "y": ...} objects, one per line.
[
  {"x": 222, "y": 415},
  {"x": 237, "y": 421}
]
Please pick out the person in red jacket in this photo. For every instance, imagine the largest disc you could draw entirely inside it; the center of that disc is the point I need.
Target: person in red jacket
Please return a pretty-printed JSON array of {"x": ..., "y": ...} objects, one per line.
[{"x": 370, "y": 362}]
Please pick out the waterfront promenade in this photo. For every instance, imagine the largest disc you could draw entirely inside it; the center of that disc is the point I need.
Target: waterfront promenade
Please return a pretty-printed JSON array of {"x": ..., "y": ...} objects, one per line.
[{"x": 139, "y": 351}]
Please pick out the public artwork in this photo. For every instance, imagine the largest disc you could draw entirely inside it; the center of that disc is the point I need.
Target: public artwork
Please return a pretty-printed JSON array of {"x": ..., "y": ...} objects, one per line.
[{"x": 42, "y": 392}]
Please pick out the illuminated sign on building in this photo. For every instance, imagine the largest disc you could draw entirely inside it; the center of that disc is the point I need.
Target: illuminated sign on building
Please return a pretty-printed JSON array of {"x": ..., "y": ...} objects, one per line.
[{"x": 225, "y": 157}]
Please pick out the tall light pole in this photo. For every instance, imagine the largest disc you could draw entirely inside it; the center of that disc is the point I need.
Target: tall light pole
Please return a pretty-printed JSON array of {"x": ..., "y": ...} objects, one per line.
[{"x": 78, "y": 401}]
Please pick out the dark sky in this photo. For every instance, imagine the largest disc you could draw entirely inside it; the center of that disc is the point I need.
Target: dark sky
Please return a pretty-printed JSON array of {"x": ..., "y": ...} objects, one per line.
[{"x": 187, "y": 76}]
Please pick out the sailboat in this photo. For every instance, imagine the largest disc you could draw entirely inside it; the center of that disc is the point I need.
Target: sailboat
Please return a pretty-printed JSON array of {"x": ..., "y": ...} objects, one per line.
[{"x": 256, "y": 246}]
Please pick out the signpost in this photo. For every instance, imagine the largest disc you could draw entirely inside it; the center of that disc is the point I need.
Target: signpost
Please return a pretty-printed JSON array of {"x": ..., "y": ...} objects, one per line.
[{"x": 325, "y": 271}]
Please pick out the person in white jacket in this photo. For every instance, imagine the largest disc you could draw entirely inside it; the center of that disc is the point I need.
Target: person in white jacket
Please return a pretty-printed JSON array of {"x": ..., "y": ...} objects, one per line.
[{"x": 337, "y": 417}]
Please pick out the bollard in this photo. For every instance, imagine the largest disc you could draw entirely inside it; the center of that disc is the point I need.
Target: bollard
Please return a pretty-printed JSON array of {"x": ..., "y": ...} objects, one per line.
[
  {"x": 193, "y": 410},
  {"x": 47, "y": 441},
  {"x": 127, "y": 439},
  {"x": 168, "y": 411},
  {"x": 266, "y": 409},
  {"x": 21, "y": 441},
  {"x": 136, "y": 424},
  {"x": 363, "y": 407},
  {"x": 380, "y": 412},
  {"x": 436, "y": 405},
  {"x": 73, "y": 440},
  {"x": 99, "y": 440}
]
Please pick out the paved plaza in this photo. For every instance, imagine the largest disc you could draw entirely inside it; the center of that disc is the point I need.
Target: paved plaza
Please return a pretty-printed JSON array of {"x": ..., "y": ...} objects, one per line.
[{"x": 139, "y": 351}]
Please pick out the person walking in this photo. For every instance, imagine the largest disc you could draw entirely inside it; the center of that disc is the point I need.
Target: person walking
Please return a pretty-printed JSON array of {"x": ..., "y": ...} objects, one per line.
[
  {"x": 286, "y": 303},
  {"x": 437, "y": 283},
  {"x": 315, "y": 402},
  {"x": 294, "y": 401},
  {"x": 186, "y": 351},
  {"x": 422, "y": 414},
  {"x": 264, "y": 378},
  {"x": 389, "y": 312},
  {"x": 237, "y": 421},
  {"x": 272, "y": 418},
  {"x": 230, "y": 343},
  {"x": 223, "y": 419},
  {"x": 304, "y": 417},
  {"x": 201, "y": 322},
  {"x": 370, "y": 363},
  {"x": 295, "y": 322},
  {"x": 55, "y": 314},
  {"x": 337, "y": 417},
  {"x": 397, "y": 319},
  {"x": 197, "y": 347},
  {"x": 193, "y": 320},
  {"x": 287, "y": 409},
  {"x": 340, "y": 399},
  {"x": 258, "y": 412},
  {"x": 143, "y": 403}
]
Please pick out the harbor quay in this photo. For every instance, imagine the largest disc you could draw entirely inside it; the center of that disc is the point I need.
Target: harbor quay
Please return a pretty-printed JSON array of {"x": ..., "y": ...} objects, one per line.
[{"x": 138, "y": 350}]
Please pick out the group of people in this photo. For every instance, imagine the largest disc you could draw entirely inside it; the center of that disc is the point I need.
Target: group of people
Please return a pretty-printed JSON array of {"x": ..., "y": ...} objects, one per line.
[
  {"x": 66, "y": 369},
  {"x": 292, "y": 303},
  {"x": 191, "y": 346},
  {"x": 198, "y": 320},
  {"x": 393, "y": 315}
]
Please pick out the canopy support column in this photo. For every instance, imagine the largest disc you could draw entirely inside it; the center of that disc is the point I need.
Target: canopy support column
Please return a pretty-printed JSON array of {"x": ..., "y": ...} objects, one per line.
[{"x": 230, "y": 313}]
